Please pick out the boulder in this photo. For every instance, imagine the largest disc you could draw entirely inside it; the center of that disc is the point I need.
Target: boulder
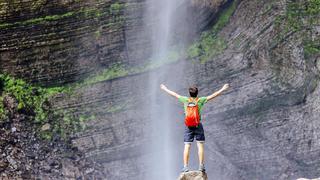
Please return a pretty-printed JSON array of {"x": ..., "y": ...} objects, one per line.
[{"x": 193, "y": 175}]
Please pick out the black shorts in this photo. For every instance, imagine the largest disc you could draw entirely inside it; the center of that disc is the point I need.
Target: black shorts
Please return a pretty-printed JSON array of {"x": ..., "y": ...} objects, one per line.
[{"x": 191, "y": 132}]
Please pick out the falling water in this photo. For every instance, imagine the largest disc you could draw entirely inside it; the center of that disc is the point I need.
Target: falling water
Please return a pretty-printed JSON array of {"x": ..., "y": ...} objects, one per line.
[{"x": 161, "y": 15}]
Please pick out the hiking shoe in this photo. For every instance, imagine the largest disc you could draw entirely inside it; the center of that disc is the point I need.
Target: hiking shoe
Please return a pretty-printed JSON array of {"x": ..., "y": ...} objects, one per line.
[
  {"x": 202, "y": 168},
  {"x": 185, "y": 169}
]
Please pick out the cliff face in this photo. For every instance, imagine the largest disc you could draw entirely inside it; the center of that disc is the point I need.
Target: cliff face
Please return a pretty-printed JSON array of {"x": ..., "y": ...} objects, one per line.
[
  {"x": 58, "y": 42},
  {"x": 265, "y": 127}
]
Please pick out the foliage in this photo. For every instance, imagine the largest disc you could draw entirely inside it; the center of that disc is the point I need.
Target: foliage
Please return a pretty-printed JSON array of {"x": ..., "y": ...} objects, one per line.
[
  {"x": 116, "y": 8},
  {"x": 119, "y": 70},
  {"x": 35, "y": 100},
  {"x": 2, "y": 111},
  {"x": 311, "y": 48},
  {"x": 115, "y": 71},
  {"x": 300, "y": 16},
  {"x": 209, "y": 44},
  {"x": 30, "y": 98}
]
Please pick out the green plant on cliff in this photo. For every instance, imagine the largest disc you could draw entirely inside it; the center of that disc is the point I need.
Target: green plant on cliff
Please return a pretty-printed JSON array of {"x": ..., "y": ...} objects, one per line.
[
  {"x": 87, "y": 12},
  {"x": 210, "y": 44},
  {"x": 311, "y": 48},
  {"x": 30, "y": 98},
  {"x": 2, "y": 111},
  {"x": 120, "y": 70},
  {"x": 300, "y": 17},
  {"x": 116, "y": 8},
  {"x": 116, "y": 70},
  {"x": 35, "y": 101}
]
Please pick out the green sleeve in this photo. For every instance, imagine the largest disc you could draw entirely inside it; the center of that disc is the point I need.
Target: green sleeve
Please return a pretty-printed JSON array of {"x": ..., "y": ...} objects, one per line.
[
  {"x": 203, "y": 100},
  {"x": 183, "y": 99}
]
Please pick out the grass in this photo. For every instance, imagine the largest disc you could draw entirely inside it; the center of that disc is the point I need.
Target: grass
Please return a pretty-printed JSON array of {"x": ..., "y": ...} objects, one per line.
[{"x": 209, "y": 44}]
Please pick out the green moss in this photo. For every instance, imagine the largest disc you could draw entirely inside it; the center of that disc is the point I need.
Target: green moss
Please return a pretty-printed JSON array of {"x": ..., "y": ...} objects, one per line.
[
  {"x": 224, "y": 17},
  {"x": 311, "y": 48},
  {"x": 116, "y": 8},
  {"x": 87, "y": 12},
  {"x": 209, "y": 44},
  {"x": 29, "y": 97},
  {"x": 119, "y": 70},
  {"x": 97, "y": 34},
  {"x": 2, "y": 110},
  {"x": 46, "y": 135},
  {"x": 115, "y": 71},
  {"x": 39, "y": 20},
  {"x": 299, "y": 16}
]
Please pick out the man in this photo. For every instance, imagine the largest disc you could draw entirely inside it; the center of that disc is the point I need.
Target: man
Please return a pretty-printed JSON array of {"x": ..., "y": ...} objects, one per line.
[{"x": 197, "y": 131}]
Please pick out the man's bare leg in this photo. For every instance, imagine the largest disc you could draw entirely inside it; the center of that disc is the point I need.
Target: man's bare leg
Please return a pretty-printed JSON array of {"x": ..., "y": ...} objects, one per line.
[
  {"x": 201, "y": 155},
  {"x": 186, "y": 154}
]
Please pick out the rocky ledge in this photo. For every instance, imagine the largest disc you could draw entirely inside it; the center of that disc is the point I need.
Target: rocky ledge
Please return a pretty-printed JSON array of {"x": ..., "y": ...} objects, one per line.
[{"x": 193, "y": 175}]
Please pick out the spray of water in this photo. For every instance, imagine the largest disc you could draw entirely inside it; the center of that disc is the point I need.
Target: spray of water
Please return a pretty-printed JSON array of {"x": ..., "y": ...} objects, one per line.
[{"x": 162, "y": 17}]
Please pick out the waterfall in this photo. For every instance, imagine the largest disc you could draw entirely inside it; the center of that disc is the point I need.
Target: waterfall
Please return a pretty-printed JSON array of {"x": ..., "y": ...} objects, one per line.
[{"x": 162, "y": 17}]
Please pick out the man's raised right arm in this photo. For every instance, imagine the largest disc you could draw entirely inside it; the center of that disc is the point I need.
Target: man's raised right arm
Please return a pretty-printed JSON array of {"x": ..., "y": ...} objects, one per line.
[{"x": 174, "y": 94}]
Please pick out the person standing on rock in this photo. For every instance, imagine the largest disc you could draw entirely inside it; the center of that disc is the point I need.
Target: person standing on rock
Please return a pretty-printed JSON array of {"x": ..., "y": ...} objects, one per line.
[{"x": 193, "y": 129}]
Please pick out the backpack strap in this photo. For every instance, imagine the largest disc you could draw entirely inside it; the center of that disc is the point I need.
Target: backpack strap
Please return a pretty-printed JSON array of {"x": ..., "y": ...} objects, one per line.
[{"x": 191, "y": 99}]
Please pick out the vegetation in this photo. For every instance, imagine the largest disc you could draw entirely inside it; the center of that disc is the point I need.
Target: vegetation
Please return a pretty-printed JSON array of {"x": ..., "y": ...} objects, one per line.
[
  {"x": 2, "y": 111},
  {"x": 209, "y": 44},
  {"x": 300, "y": 16},
  {"x": 119, "y": 70},
  {"x": 311, "y": 48},
  {"x": 31, "y": 99},
  {"x": 114, "y": 9}
]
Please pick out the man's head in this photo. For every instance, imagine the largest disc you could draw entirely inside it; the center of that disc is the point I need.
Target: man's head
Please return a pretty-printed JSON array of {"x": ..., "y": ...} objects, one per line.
[{"x": 193, "y": 91}]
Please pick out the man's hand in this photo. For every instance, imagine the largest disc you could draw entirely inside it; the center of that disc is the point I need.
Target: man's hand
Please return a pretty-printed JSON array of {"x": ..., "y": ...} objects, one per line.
[
  {"x": 225, "y": 87},
  {"x": 162, "y": 86}
]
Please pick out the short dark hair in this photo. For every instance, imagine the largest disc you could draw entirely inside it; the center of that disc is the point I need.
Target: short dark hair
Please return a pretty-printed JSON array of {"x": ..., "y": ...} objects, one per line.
[{"x": 193, "y": 91}]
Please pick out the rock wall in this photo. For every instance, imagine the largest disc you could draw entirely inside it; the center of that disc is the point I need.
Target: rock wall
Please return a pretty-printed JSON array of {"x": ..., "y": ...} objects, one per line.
[
  {"x": 58, "y": 42},
  {"x": 264, "y": 127}
]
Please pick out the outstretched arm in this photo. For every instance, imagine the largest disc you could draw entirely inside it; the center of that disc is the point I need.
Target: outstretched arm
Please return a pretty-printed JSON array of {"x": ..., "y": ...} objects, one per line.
[
  {"x": 217, "y": 93},
  {"x": 163, "y": 87}
]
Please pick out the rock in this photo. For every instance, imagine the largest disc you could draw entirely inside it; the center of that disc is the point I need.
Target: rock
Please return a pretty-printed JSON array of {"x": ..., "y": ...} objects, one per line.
[
  {"x": 193, "y": 175},
  {"x": 11, "y": 104},
  {"x": 12, "y": 162},
  {"x": 69, "y": 170},
  {"x": 13, "y": 129},
  {"x": 45, "y": 127},
  {"x": 3, "y": 165}
]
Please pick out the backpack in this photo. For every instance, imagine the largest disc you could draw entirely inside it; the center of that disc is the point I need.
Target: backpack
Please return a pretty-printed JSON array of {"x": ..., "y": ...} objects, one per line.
[{"x": 192, "y": 118}]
